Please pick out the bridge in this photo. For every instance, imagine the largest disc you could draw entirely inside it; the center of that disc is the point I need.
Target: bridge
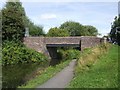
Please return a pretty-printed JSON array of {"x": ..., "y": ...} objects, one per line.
[{"x": 48, "y": 45}]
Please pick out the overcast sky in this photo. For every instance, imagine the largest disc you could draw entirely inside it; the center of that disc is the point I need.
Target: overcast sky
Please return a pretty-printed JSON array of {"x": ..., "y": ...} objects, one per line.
[{"x": 53, "y": 14}]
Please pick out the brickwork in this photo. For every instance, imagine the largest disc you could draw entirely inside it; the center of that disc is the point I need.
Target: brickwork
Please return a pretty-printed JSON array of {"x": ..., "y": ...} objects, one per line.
[
  {"x": 62, "y": 40},
  {"x": 89, "y": 41},
  {"x": 39, "y": 43},
  {"x": 36, "y": 43}
]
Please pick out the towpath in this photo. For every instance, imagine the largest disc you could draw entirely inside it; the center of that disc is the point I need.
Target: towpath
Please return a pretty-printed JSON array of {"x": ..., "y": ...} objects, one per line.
[{"x": 61, "y": 79}]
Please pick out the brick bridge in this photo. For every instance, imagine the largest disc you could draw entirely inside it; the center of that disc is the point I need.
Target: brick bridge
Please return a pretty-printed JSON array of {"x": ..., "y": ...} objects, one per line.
[{"x": 48, "y": 45}]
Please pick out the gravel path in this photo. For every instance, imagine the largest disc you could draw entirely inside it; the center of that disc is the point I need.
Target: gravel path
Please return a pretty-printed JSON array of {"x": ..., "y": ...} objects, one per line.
[{"x": 61, "y": 79}]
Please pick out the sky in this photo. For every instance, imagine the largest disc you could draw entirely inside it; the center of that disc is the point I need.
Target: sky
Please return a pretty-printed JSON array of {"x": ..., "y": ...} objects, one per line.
[{"x": 53, "y": 14}]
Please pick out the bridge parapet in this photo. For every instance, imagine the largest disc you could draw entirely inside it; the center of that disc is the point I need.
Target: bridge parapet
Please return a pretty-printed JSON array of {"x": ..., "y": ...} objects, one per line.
[
  {"x": 62, "y": 40},
  {"x": 40, "y": 43},
  {"x": 36, "y": 43},
  {"x": 89, "y": 41}
]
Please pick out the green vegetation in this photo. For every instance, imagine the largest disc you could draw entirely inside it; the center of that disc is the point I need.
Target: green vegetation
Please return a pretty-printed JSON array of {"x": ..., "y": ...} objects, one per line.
[
  {"x": 15, "y": 21},
  {"x": 15, "y": 53},
  {"x": 77, "y": 29},
  {"x": 71, "y": 28},
  {"x": 68, "y": 53},
  {"x": 74, "y": 28},
  {"x": 13, "y": 25},
  {"x": 57, "y": 32},
  {"x": 90, "y": 31},
  {"x": 115, "y": 30},
  {"x": 45, "y": 75},
  {"x": 96, "y": 71},
  {"x": 18, "y": 62},
  {"x": 34, "y": 30}
]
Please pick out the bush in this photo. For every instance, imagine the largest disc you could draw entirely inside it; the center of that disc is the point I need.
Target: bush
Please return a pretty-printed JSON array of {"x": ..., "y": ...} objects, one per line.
[
  {"x": 14, "y": 53},
  {"x": 72, "y": 54},
  {"x": 69, "y": 54}
]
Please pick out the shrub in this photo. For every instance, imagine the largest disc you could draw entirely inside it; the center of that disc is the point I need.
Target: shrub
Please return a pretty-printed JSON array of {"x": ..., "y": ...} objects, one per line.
[
  {"x": 72, "y": 54},
  {"x": 15, "y": 52},
  {"x": 69, "y": 53}
]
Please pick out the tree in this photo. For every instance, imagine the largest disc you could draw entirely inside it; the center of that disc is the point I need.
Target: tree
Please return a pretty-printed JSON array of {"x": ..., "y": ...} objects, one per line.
[
  {"x": 36, "y": 30},
  {"x": 13, "y": 21},
  {"x": 57, "y": 32},
  {"x": 74, "y": 28},
  {"x": 90, "y": 31},
  {"x": 115, "y": 29},
  {"x": 0, "y": 31},
  {"x": 77, "y": 29}
]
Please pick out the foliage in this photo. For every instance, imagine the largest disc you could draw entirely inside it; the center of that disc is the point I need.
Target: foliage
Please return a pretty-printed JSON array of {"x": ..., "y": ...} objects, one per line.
[
  {"x": 14, "y": 53},
  {"x": 34, "y": 30},
  {"x": 71, "y": 28},
  {"x": 115, "y": 36},
  {"x": 74, "y": 28},
  {"x": 69, "y": 53},
  {"x": 45, "y": 75},
  {"x": 77, "y": 29},
  {"x": 57, "y": 32},
  {"x": 90, "y": 31},
  {"x": 13, "y": 26},
  {"x": 103, "y": 73},
  {"x": 14, "y": 22}
]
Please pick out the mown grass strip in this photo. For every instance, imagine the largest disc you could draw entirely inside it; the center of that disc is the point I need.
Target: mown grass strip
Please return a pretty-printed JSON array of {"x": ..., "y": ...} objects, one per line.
[
  {"x": 46, "y": 75},
  {"x": 102, "y": 74}
]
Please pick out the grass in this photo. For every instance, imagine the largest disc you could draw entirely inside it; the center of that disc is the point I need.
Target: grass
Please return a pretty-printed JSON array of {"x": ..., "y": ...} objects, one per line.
[
  {"x": 103, "y": 73},
  {"x": 46, "y": 75}
]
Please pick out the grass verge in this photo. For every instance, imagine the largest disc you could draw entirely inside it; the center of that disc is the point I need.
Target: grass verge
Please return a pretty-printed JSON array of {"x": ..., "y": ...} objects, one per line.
[
  {"x": 45, "y": 75},
  {"x": 103, "y": 73}
]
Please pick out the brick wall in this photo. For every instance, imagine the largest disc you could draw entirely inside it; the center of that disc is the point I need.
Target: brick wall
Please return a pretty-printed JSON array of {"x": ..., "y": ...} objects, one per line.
[
  {"x": 39, "y": 43},
  {"x": 89, "y": 41},
  {"x": 62, "y": 40},
  {"x": 36, "y": 43}
]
